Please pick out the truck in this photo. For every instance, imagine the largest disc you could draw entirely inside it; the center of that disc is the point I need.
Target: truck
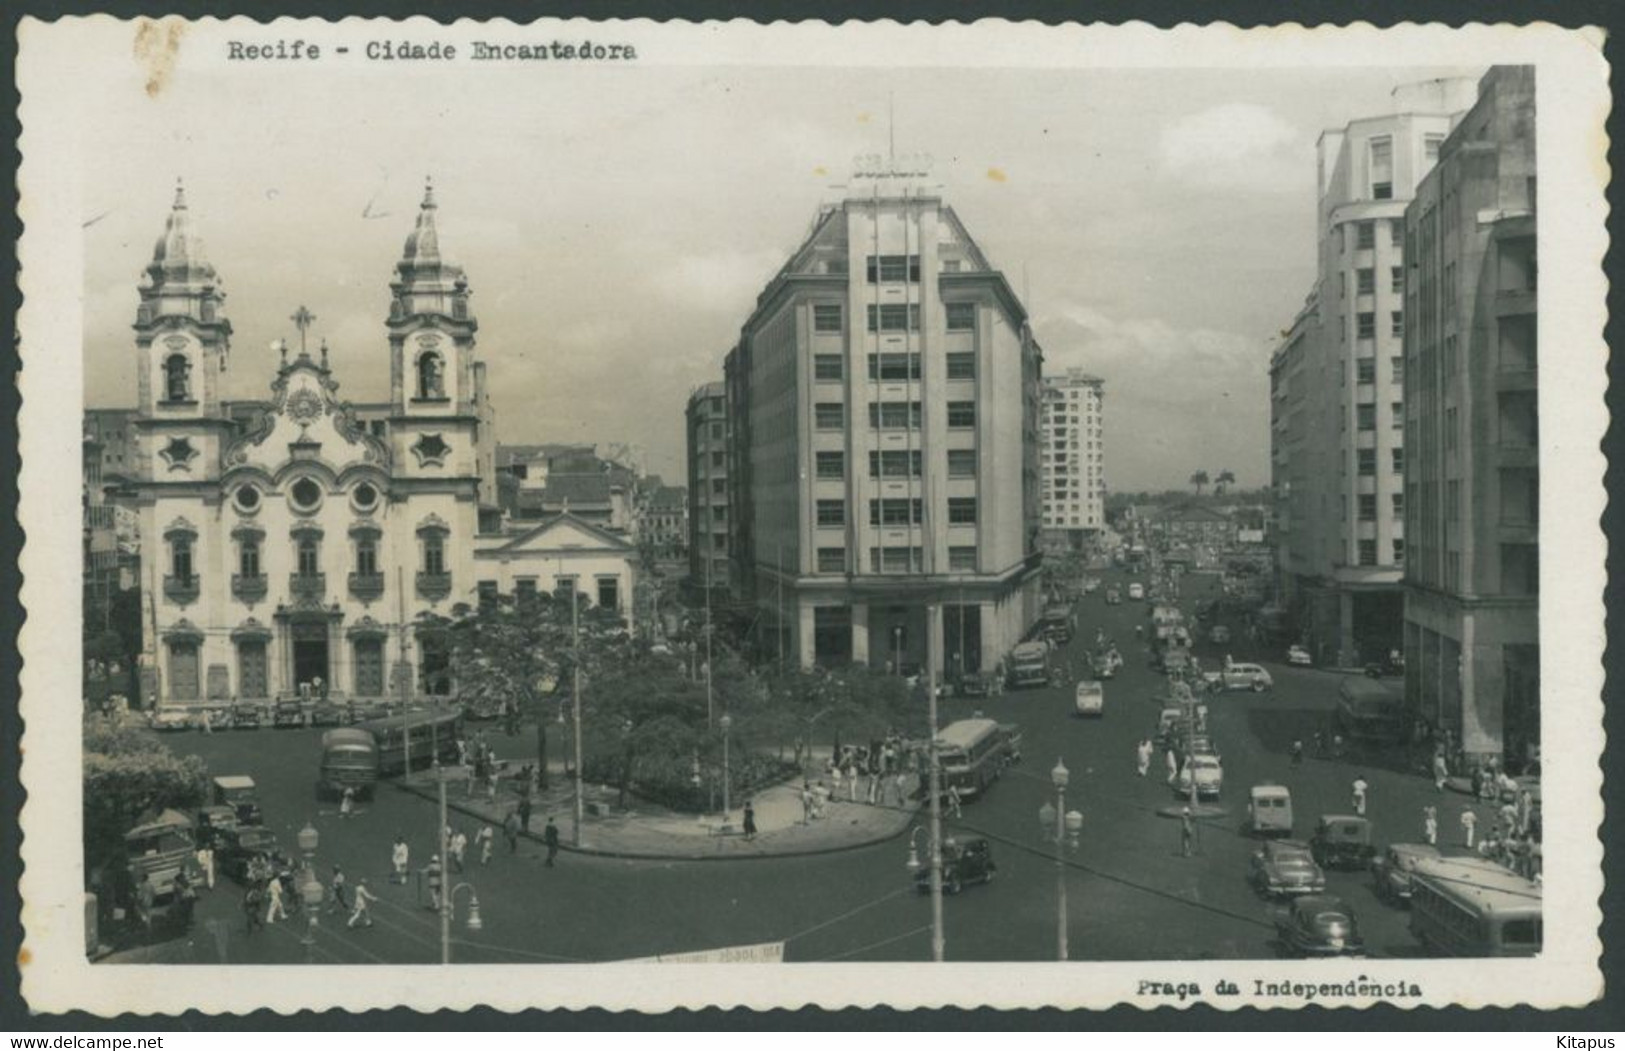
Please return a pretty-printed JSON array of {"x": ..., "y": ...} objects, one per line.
[
  {"x": 1029, "y": 665},
  {"x": 161, "y": 861},
  {"x": 1057, "y": 622}
]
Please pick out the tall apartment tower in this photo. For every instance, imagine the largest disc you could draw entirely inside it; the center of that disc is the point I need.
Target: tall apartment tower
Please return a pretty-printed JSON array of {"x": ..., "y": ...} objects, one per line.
[
  {"x": 1071, "y": 460},
  {"x": 708, "y": 524},
  {"x": 885, "y": 402},
  {"x": 1337, "y": 385},
  {"x": 1472, "y": 575}
]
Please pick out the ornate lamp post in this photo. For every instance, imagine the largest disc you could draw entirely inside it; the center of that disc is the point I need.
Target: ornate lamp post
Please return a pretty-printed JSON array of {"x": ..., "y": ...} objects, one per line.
[
  {"x": 310, "y": 888},
  {"x": 448, "y": 911},
  {"x": 1062, "y": 828}
]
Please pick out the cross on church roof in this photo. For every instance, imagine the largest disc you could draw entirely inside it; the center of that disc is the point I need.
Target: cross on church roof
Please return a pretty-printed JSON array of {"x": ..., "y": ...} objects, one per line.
[{"x": 302, "y": 318}]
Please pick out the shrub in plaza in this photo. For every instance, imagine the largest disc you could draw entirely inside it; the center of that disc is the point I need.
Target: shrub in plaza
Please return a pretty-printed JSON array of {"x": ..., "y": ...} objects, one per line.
[{"x": 130, "y": 776}]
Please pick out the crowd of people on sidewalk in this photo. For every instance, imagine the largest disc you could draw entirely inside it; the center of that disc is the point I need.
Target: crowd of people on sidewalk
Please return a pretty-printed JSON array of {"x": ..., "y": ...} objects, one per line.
[{"x": 885, "y": 773}]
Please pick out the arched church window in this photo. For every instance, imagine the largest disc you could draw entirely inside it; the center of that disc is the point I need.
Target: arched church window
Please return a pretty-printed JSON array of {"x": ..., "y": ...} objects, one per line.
[
  {"x": 177, "y": 378},
  {"x": 431, "y": 376}
]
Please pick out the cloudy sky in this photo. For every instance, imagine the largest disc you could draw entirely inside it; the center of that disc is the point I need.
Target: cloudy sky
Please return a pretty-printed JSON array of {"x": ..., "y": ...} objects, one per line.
[{"x": 617, "y": 225}]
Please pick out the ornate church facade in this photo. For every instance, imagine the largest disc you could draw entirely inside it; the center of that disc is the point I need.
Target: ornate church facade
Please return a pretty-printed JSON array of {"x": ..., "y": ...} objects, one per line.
[{"x": 301, "y": 548}]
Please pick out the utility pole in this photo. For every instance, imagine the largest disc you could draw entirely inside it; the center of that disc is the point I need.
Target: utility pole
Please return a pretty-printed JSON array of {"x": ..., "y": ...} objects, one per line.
[
  {"x": 402, "y": 686},
  {"x": 938, "y": 946},
  {"x": 575, "y": 701},
  {"x": 445, "y": 868}
]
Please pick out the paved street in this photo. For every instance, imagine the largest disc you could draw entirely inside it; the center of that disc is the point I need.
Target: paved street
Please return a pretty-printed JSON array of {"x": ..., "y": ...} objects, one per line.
[{"x": 1130, "y": 893}]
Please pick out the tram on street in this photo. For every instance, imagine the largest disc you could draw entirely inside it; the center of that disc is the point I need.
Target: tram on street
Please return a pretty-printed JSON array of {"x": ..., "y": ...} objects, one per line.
[
  {"x": 1474, "y": 907},
  {"x": 414, "y": 739}
]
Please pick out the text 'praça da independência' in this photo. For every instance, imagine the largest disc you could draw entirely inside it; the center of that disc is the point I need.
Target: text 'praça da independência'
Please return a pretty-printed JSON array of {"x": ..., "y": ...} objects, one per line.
[{"x": 282, "y": 50}]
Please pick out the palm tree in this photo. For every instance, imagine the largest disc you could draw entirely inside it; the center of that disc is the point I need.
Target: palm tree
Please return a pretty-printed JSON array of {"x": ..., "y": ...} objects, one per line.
[
  {"x": 1226, "y": 477},
  {"x": 1199, "y": 479}
]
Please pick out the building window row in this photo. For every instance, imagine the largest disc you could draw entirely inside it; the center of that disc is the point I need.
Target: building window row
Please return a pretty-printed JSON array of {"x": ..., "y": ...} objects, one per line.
[
  {"x": 894, "y": 317},
  {"x": 880, "y": 268}
]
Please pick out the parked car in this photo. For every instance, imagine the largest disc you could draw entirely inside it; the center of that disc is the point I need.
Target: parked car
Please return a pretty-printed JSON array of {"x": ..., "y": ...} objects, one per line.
[
  {"x": 962, "y": 863},
  {"x": 1342, "y": 841},
  {"x": 978, "y": 684},
  {"x": 288, "y": 711},
  {"x": 1285, "y": 867},
  {"x": 212, "y": 824},
  {"x": 241, "y": 795},
  {"x": 1136, "y": 591},
  {"x": 1114, "y": 597},
  {"x": 1298, "y": 655},
  {"x": 1209, "y": 774},
  {"x": 245, "y": 716},
  {"x": 329, "y": 713},
  {"x": 1319, "y": 925}
]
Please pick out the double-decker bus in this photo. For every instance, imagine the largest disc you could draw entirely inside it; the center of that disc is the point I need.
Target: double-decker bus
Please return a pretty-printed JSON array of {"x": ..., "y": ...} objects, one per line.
[
  {"x": 1029, "y": 664},
  {"x": 971, "y": 754},
  {"x": 415, "y": 737},
  {"x": 1474, "y": 907}
]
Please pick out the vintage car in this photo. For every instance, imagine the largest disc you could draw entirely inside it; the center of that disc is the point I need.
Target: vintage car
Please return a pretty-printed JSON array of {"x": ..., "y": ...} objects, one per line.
[
  {"x": 1209, "y": 774},
  {"x": 1269, "y": 810},
  {"x": 245, "y": 716},
  {"x": 1241, "y": 676},
  {"x": 1136, "y": 592},
  {"x": 962, "y": 863},
  {"x": 1393, "y": 869},
  {"x": 247, "y": 853},
  {"x": 162, "y": 860},
  {"x": 1319, "y": 925},
  {"x": 241, "y": 794},
  {"x": 1114, "y": 597},
  {"x": 288, "y": 711},
  {"x": 329, "y": 713},
  {"x": 215, "y": 716},
  {"x": 1285, "y": 867},
  {"x": 978, "y": 684},
  {"x": 170, "y": 719},
  {"x": 1298, "y": 655},
  {"x": 1089, "y": 698},
  {"x": 213, "y": 822},
  {"x": 1342, "y": 841}
]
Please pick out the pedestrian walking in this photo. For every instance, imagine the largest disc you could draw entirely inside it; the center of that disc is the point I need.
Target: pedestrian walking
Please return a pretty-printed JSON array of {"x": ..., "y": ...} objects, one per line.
[
  {"x": 1187, "y": 832},
  {"x": 363, "y": 901},
  {"x": 821, "y": 796},
  {"x": 1337, "y": 746},
  {"x": 1469, "y": 822},
  {"x": 873, "y": 794},
  {"x": 835, "y": 775},
  {"x": 486, "y": 839},
  {"x": 510, "y": 829},
  {"x": 273, "y": 897},
  {"x": 524, "y": 814},
  {"x": 205, "y": 863},
  {"x": 1358, "y": 791},
  {"x": 852, "y": 776},
  {"x": 401, "y": 856},
  {"x": 208, "y": 722},
  {"x": 431, "y": 874},
  {"x": 550, "y": 836},
  {"x": 1142, "y": 756},
  {"x": 253, "y": 902},
  {"x": 1173, "y": 765},
  {"x": 953, "y": 801},
  {"x": 1297, "y": 751},
  {"x": 1430, "y": 826},
  {"x": 902, "y": 789},
  {"x": 341, "y": 896},
  {"x": 806, "y": 803},
  {"x": 347, "y": 802},
  {"x": 459, "y": 847},
  {"x": 1441, "y": 771},
  {"x": 750, "y": 817}
]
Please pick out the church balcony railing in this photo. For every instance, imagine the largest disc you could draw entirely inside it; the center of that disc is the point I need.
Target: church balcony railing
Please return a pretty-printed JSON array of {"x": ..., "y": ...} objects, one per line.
[
  {"x": 181, "y": 590},
  {"x": 434, "y": 585},
  {"x": 250, "y": 588},
  {"x": 366, "y": 586},
  {"x": 307, "y": 585}
]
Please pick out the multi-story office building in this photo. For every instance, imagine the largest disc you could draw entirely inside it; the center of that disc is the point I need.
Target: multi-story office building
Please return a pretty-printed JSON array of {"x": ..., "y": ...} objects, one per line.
[
  {"x": 1337, "y": 385},
  {"x": 708, "y": 497},
  {"x": 884, "y": 398},
  {"x": 1472, "y": 573},
  {"x": 1071, "y": 460}
]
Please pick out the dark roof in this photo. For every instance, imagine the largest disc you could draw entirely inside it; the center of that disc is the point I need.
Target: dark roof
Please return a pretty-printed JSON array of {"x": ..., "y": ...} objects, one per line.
[{"x": 671, "y": 496}]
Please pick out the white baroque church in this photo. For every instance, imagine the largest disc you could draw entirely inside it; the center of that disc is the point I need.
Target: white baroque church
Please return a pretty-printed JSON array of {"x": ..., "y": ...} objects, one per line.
[{"x": 301, "y": 548}]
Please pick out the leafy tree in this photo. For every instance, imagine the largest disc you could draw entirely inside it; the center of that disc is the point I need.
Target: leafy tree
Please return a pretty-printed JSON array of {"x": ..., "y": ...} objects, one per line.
[
  {"x": 128, "y": 776},
  {"x": 1199, "y": 479},
  {"x": 1226, "y": 477}
]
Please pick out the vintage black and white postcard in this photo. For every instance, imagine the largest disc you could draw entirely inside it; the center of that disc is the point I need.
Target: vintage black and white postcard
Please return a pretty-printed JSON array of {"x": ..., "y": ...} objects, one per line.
[{"x": 641, "y": 514}]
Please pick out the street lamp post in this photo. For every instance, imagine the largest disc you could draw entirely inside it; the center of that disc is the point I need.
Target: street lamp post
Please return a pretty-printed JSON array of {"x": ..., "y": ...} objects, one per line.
[
  {"x": 448, "y": 906},
  {"x": 726, "y": 723},
  {"x": 1064, "y": 826},
  {"x": 310, "y": 888}
]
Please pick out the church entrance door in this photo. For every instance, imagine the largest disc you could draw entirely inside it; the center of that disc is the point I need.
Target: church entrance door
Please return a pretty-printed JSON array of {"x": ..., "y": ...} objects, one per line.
[{"x": 310, "y": 652}]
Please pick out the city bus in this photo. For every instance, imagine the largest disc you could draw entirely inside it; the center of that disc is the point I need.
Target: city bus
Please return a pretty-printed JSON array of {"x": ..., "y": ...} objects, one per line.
[
  {"x": 419, "y": 735},
  {"x": 1029, "y": 664},
  {"x": 971, "y": 754},
  {"x": 1368, "y": 710},
  {"x": 1474, "y": 907},
  {"x": 349, "y": 760}
]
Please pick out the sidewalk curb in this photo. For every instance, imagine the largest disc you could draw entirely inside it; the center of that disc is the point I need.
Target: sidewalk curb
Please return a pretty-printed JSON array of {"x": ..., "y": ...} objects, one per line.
[{"x": 629, "y": 855}]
